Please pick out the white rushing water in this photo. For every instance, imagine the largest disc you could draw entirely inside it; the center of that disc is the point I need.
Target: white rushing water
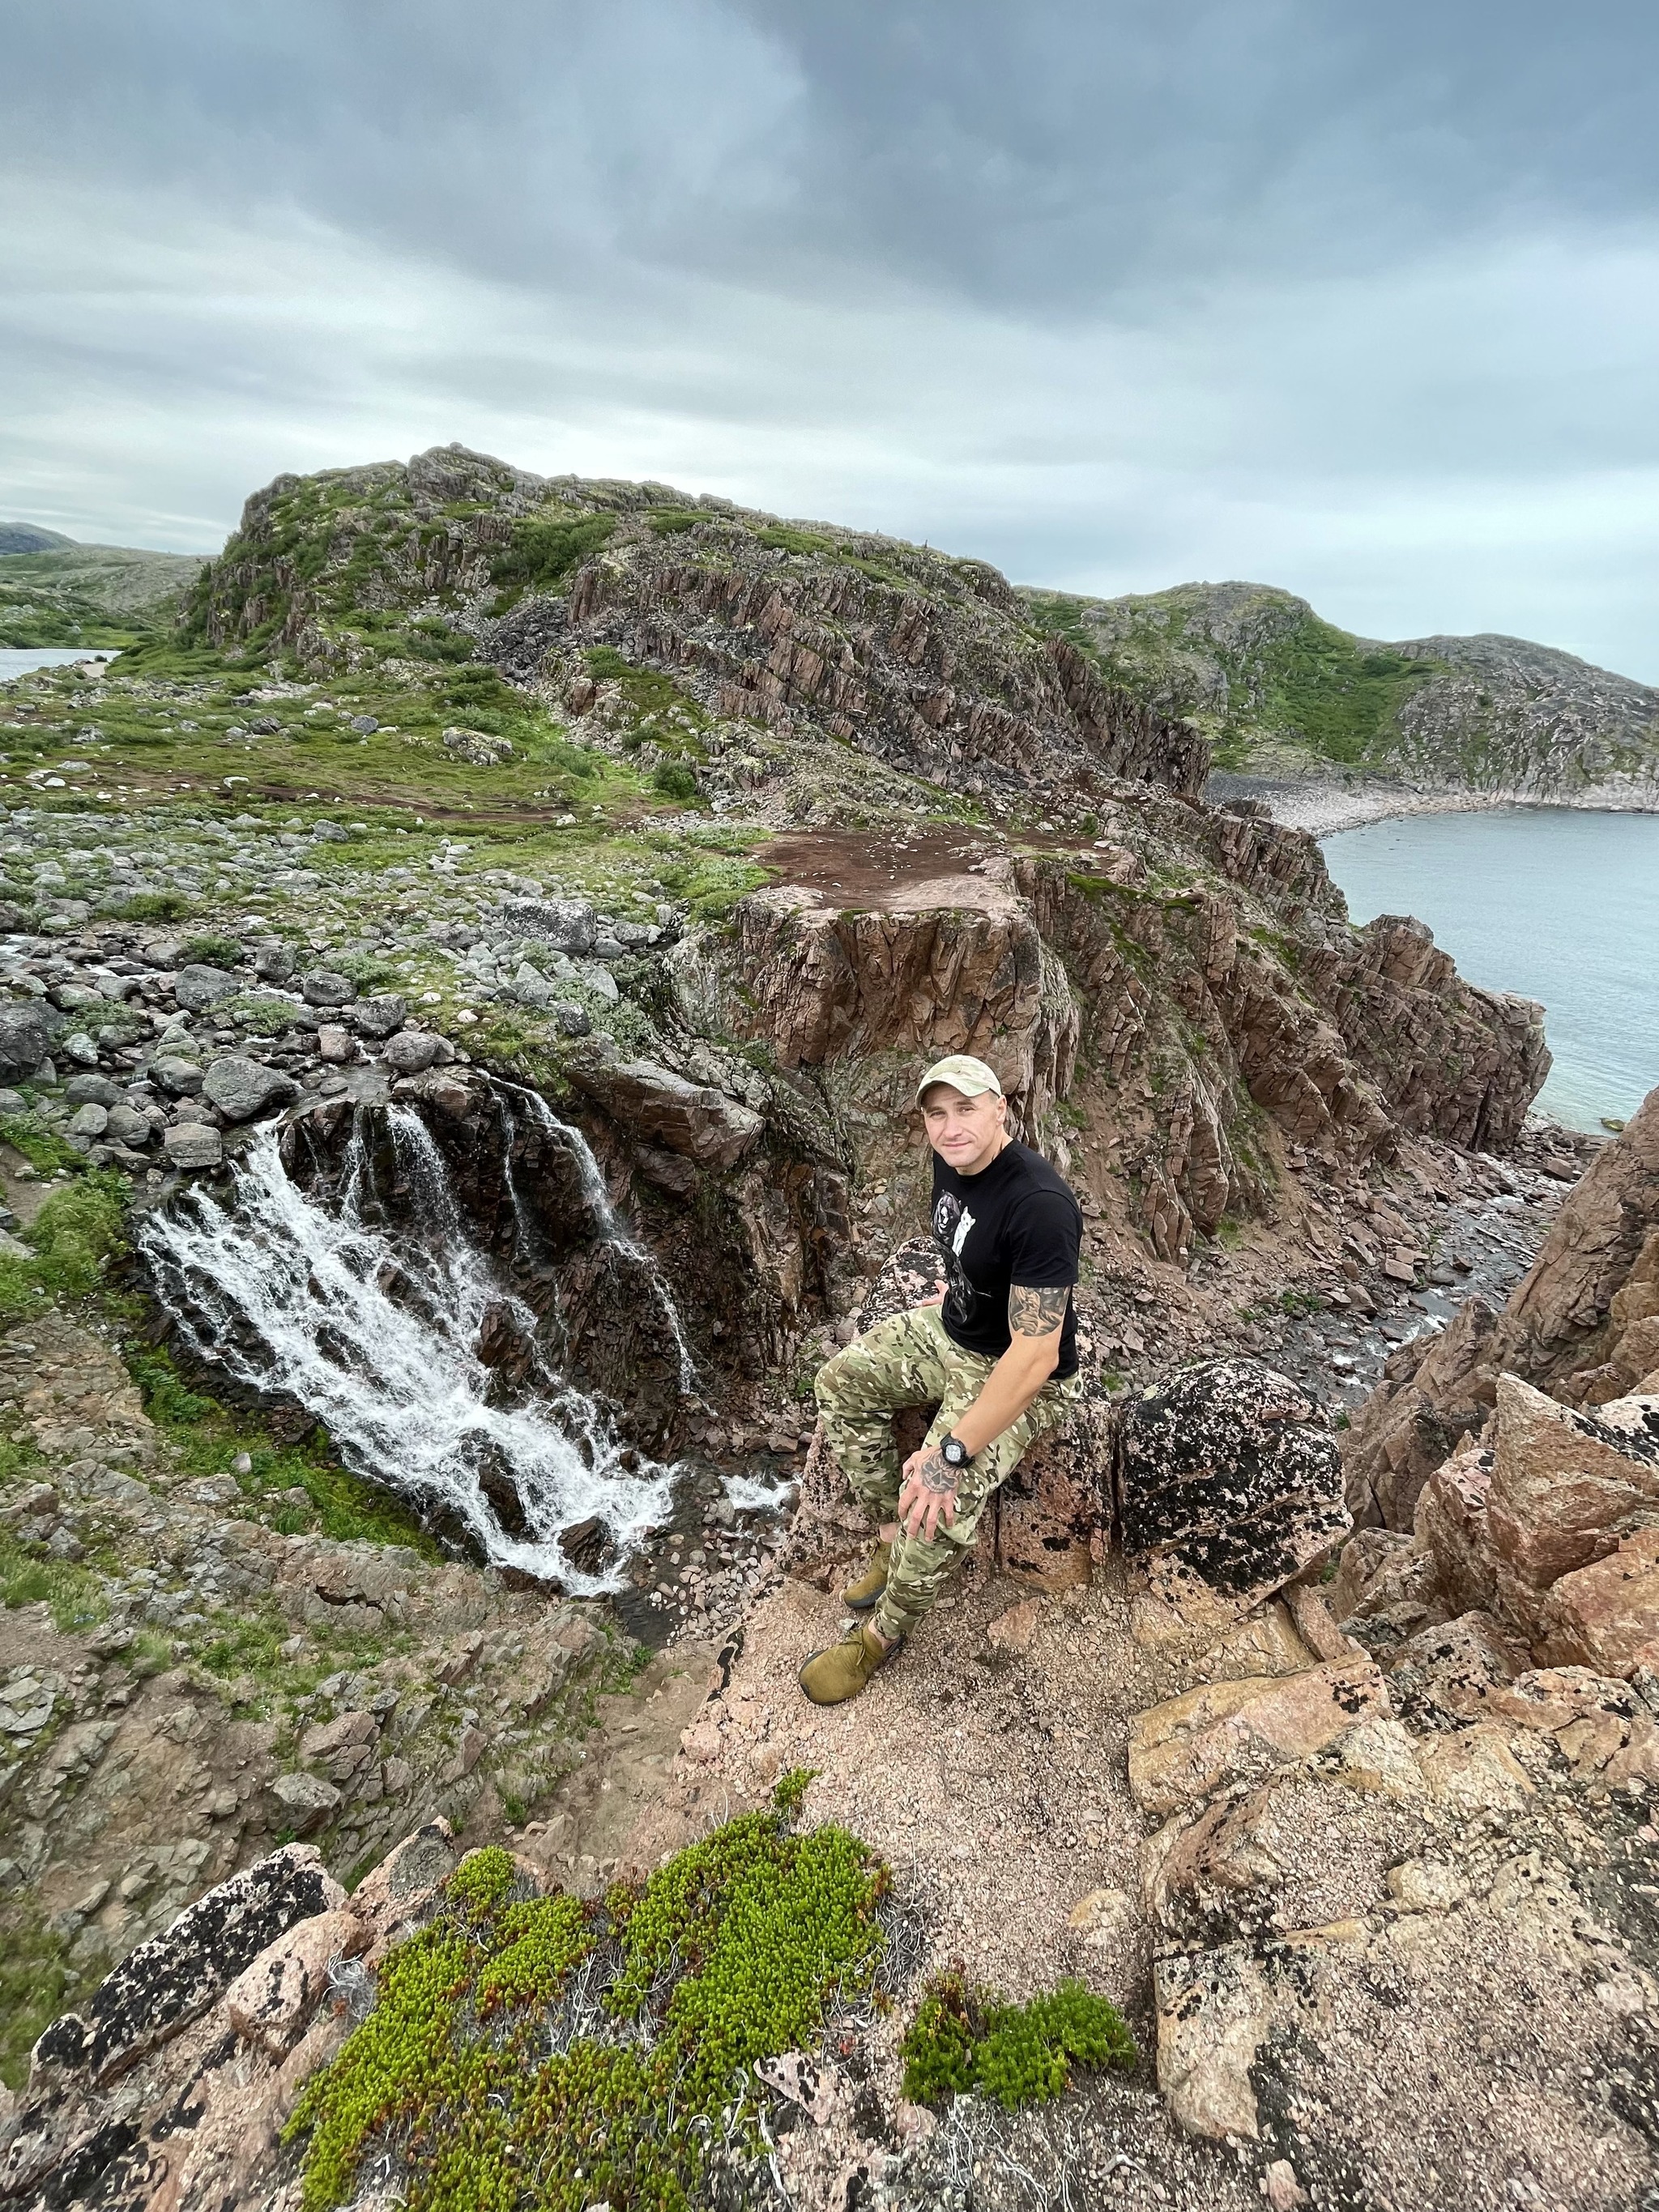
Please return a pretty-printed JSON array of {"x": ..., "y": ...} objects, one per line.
[
  {"x": 288, "y": 1297},
  {"x": 597, "y": 1195}
]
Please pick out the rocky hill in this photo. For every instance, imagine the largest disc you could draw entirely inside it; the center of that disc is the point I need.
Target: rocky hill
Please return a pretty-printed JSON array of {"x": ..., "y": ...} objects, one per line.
[
  {"x": 466, "y": 985},
  {"x": 56, "y": 593},
  {"x": 31, "y": 538},
  {"x": 1278, "y": 691}
]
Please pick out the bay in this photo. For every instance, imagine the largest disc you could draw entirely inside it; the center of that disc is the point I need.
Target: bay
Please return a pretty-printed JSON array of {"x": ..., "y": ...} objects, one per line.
[
  {"x": 18, "y": 659},
  {"x": 1558, "y": 903}
]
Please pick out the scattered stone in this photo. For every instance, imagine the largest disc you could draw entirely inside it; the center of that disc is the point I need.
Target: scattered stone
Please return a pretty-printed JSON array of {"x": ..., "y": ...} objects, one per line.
[
  {"x": 321, "y": 987},
  {"x": 198, "y": 987},
  {"x": 242, "y": 1089},
  {"x": 192, "y": 1144}
]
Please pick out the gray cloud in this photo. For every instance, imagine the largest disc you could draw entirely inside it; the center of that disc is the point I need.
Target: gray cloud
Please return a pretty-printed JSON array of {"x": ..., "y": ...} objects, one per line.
[{"x": 1360, "y": 300}]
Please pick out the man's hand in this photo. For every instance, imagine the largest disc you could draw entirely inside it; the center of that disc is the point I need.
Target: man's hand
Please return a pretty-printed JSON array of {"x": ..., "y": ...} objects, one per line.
[{"x": 929, "y": 1497}]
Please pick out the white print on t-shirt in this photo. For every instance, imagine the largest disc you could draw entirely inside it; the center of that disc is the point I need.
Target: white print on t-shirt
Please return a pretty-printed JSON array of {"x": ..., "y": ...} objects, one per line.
[{"x": 961, "y": 1237}]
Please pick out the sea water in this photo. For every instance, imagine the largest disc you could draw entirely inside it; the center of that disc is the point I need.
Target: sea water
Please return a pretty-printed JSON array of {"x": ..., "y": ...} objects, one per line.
[
  {"x": 18, "y": 659},
  {"x": 1558, "y": 903}
]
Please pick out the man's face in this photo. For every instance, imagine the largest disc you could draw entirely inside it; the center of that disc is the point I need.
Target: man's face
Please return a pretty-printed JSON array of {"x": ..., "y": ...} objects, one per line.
[{"x": 965, "y": 1133}]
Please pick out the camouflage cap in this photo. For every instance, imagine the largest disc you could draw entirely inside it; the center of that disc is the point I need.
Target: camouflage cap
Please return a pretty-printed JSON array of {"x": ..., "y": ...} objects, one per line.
[{"x": 963, "y": 1073}]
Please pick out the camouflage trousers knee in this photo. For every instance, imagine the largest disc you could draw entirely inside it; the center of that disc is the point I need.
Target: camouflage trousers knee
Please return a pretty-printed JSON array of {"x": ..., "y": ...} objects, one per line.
[{"x": 908, "y": 1360}]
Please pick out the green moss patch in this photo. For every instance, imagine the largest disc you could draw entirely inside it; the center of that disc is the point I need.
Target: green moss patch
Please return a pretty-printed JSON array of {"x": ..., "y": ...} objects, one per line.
[
  {"x": 528, "y": 2051},
  {"x": 75, "y": 1235},
  {"x": 964, "y": 2038}
]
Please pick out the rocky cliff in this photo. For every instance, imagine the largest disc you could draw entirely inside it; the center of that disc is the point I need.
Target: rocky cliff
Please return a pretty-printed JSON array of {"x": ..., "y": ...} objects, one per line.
[
  {"x": 575, "y": 875},
  {"x": 1279, "y": 691},
  {"x": 1581, "y": 1324}
]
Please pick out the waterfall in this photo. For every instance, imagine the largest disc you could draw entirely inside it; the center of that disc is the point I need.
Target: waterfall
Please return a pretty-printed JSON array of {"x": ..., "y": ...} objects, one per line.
[
  {"x": 596, "y": 1194},
  {"x": 286, "y": 1295}
]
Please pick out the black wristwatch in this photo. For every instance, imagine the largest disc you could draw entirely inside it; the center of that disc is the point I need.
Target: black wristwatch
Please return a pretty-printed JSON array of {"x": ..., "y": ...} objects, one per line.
[{"x": 955, "y": 1453}]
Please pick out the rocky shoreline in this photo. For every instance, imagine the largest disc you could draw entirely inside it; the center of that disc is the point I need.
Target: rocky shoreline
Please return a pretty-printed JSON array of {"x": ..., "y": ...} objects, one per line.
[{"x": 1322, "y": 805}]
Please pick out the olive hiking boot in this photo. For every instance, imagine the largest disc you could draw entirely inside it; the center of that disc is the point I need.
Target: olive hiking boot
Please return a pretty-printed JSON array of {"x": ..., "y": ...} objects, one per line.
[
  {"x": 830, "y": 1677},
  {"x": 860, "y": 1596}
]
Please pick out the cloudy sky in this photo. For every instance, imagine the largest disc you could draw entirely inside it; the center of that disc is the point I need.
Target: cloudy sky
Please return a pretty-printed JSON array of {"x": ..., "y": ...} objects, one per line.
[{"x": 1360, "y": 299}]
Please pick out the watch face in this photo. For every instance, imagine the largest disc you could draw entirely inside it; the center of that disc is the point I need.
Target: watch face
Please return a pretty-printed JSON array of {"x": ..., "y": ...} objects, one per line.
[{"x": 955, "y": 1453}]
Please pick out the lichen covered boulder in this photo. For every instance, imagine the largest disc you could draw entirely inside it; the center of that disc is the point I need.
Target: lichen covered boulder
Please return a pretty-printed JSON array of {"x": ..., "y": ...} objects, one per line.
[{"x": 1229, "y": 1486}]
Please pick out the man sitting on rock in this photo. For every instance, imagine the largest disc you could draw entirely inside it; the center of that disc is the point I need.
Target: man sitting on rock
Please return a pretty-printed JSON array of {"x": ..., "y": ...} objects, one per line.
[{"x": 996, "y": 1352}]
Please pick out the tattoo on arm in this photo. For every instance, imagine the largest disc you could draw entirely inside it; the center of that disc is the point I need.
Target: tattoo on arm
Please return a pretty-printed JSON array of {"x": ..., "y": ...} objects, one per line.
[{"x": 1035, "y": 1312}]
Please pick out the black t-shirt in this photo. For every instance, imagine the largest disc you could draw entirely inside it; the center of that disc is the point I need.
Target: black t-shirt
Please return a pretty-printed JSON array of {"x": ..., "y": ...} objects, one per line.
[{"x": 1014, "y": 1222}]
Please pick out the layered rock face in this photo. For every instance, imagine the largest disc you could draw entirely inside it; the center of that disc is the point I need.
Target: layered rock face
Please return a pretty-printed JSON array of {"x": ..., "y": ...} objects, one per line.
[
  {"x": 1193, "y": 1012},
  {"x": 1582, "y": 1324},
  {"x": 950, "y": 689},
  {"x": 923, "y": 661}
]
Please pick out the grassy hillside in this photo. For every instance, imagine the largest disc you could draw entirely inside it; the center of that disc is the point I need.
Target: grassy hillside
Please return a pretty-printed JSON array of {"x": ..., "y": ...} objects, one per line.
[
  {"x": 1278, "y": 690},
  {"x": 1256, "y": 669},
  {"x": 70, "y": 594}
]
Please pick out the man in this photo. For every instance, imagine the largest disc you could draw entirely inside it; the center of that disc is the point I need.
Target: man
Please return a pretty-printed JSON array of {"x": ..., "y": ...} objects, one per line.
[{"x": 996, "y": 1352}]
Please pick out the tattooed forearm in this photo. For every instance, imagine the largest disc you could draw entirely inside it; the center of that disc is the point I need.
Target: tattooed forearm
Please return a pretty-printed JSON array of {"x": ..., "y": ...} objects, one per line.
[{"x": 1036, "y": 1313}]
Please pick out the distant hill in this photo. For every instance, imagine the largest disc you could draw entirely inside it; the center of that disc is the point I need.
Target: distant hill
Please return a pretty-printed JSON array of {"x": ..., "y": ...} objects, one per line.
[
  {"x": 30, "y": 537},
  {"x": 62, "y": 593},
  {"x": 1278, "y": 691}
]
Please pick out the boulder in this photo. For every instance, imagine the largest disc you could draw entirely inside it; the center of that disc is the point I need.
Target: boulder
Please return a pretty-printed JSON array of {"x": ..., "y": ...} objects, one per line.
[
  {"x": 303, "y": 1802},
  {"x": 197, "y": 986},
  {"x": 192, "y": 1144},
  {"x": 569, "y": 925},
  {"x": 1228, "y": 1486},
  {"x": 28, "y": 1029},
  {"x": 88, "y": 1122},
  {"x": 242, "y": 1089},
  {"x": 693, "y": 1119},
  {"x": 411, "y": 1052},
  {"x": 1606, "y": 1615},
  {"x": 92, "y": 1090},
  {"x": 396, "y": 1895},
  {"x": 321, "y": 987},
  {"x": 181, "y": 1076},
  {"x": 1564, "y": 1487},
  {"x": 1051, "y": 1505},
  {"x": 377, "y": 1017},
  {"x": 337, "y": 1046},
  {"x": 1221, "y": 1732},
  {"x": 164, "y": 1983},
  {"x": 128, "y": 1126}
]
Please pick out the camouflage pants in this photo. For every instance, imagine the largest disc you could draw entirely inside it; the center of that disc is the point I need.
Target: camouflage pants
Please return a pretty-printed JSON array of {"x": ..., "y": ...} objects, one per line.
[{"x": 908, "y": 1360}]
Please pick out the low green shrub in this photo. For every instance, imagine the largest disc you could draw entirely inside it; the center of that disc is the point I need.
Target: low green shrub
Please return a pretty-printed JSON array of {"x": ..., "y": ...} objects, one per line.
[
  {"x": 212, "y": 952},
  {"x": 157, "y": 906},
  {"x": 73, "y": 1593},
  {"x": 964, "y": 2038},
  {"x": 467, "y": 2072},
  {"x": 675, "y": 780}
]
